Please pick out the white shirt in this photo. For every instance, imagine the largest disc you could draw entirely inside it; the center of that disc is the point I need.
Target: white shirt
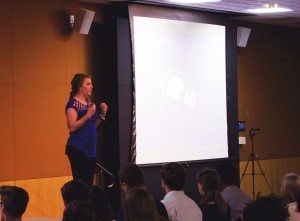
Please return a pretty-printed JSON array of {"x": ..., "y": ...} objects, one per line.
[
  {"x": 236, "y": 199},
  {"x": 294, "y": 215},
  {"x": 181, "y": 208}
]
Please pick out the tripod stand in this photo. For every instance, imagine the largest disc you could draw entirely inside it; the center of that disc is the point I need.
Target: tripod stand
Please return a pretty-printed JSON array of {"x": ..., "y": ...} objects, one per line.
[{"x": 253, "y": 158}]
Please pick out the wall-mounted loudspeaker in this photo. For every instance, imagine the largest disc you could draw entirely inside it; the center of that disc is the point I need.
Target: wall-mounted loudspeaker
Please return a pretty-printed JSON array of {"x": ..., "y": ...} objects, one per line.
[
  {"x": 242, "y": 36},
  {"x": 83, "y": 20}
]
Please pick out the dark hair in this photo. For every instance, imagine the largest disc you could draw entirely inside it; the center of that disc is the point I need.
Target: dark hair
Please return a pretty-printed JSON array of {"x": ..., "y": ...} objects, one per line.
[
  {"x": 139, "y": 205},
  {"x": 211, "y": 185},
  {"x": 132, "y": 175},
  {"x": 14, "y": 199},
  {"x": 75, "y": 190},
  {"x": 298, "y": 202},
  {"x": 227, "y": 173},
  {"x": 276, "y": 206},
  {"x": 100, "y": 204},
  {"x": 173, "y": 175},
  {"x": 257, "y": 211},
  {"x": 77, "y": 82},
  {"x": 78, "y": 210}
]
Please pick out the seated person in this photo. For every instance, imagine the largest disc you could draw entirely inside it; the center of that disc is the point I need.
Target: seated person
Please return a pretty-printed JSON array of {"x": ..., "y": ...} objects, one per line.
[
  {"x": 179, "y": 206},
  {"x": 294, "y": 209},
  {"x": 100, "y": 204},
  {"x": 139, "y": 205},
  {"x": 290, "y": 190},
  {"x": 290, "y": 187},
  {"x": 235, "y": 198},
  {"x": 78, "y": 210},
  {"x": 13, "y": 202},
  {"x": 75, "y": 190},
  {"x": 269, "y": 207},
  {"x": 256, "y": 211},
  {"x": 130, "y": 177},
  {"x": 212, "y": 204}
]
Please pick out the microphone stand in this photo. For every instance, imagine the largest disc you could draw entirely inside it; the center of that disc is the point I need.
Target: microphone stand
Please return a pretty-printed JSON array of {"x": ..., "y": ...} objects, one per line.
[
  {"x": 253, "y": 158},
  {"x": 107, "y": 172}
]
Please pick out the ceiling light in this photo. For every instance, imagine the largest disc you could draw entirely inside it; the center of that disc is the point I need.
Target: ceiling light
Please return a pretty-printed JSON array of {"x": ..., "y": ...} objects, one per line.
[
  {"x": 194, "y": 1},
  {"x": 268, "y": 7}
]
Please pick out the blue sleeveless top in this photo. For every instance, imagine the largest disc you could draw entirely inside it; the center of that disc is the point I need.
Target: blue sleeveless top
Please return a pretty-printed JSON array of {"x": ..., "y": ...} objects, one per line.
[{"x": 84, "y": 138}]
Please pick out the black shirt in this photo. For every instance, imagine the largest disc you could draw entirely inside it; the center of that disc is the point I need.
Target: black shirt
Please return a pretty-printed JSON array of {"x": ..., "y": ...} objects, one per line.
[{"x": 211, "y": 212}]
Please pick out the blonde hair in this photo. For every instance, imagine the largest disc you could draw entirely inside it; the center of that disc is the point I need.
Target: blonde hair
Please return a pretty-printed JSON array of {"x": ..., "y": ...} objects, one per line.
[{"x": 290, "y": 187}]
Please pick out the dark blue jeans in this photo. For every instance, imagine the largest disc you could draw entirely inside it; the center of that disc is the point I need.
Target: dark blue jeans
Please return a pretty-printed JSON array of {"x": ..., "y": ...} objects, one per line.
[{"x": 83, "y": 167}]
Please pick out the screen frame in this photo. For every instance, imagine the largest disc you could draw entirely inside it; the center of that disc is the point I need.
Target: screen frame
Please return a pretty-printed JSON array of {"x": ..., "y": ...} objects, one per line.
[{"x": 231, "y": 88}]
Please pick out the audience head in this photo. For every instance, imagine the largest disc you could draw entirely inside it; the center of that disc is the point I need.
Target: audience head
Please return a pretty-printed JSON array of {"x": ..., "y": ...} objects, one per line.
[
  {"x": 139, "y": 205},
  {"x": 209, "y": 183},
  {"x": 256, "y": 211},
  {"x": 75, "y": 190},
  {"x": 77, "y": 82},
  {"x": 172, "y": 176},
  {"x": 227, "y": 174},
  {"x": 78, "y": 210},
  {"x": 209, "y": 186},
  {"x": 131, "y": 176},
  {"x": 290, "y": 186},
  {"x": 13, "y": 200},
  {"x": 266, "y": 208},
  {"x": 100, "y": 204},
  {"x": 276, "y": 206}
]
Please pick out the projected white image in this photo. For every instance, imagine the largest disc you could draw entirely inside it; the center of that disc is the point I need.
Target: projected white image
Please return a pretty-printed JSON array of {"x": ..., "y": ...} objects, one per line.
[
  {"x": 180, "y": 84},
  {"x": 173, "y": 86}
]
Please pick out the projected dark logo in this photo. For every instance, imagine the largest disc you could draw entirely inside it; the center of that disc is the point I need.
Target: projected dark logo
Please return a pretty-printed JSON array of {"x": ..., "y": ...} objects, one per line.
[{"x": 174, "y": 89}]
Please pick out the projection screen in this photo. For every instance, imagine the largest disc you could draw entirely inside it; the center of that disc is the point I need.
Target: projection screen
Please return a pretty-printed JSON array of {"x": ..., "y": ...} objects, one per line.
[{"x": 180, "y": 90}]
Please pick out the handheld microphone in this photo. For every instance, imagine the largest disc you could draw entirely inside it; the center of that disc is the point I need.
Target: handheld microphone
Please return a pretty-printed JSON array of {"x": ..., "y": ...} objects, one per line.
[{"x": 89, "y": 102}]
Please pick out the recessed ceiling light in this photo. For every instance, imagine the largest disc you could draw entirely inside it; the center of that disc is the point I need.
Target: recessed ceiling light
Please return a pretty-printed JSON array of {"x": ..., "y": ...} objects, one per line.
[
  {"x": 194, "y": 1},
  {"x": 268, "y": 7}
]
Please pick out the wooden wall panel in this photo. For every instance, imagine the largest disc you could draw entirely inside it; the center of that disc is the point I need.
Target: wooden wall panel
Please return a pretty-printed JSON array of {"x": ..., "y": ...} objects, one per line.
[
  {"x": 6, "y": 89},
  {"x": 41, "y": 131},
  {"x": 7, "y": 151},
  {"x": 75, "y": 55},
  {"x": 274, "y": 170},
  {"x": 45, "y": 200},
  {"x": 268, "y": 91},
  {"x": 38, "y": 57},
  {"x": 6, "y": 42},
  {"x": 39, "y": 50}
]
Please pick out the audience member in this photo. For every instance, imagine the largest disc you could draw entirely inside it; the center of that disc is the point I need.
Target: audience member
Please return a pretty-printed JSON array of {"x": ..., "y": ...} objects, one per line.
[
  {"x": 256, "y": 211},
  {"x": 13, "y": 202},
  {"x": 100, "y": 204},
  {"x": 75, "y": 190},
  {"x": 294, "y": 209},
  {"x": 269, "y": 207},
  {"x": 290, "y": 191},
  {"x": 290, "y": 187},
  {"x": 276, "y": 205},
  {"x": 212, "y": 204},
  {"x": 235, "y": 198},
  {"x": 78, "y": 210},
  {"x": 179, "y": 206},
  {"x": 139, "y": 205},
  {"x": 130, "y": 177}
]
